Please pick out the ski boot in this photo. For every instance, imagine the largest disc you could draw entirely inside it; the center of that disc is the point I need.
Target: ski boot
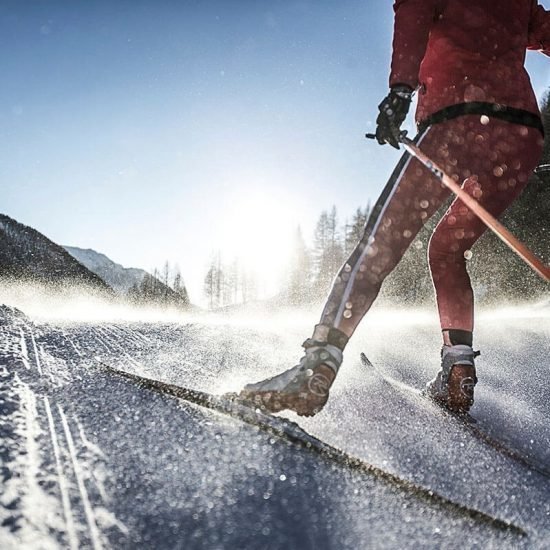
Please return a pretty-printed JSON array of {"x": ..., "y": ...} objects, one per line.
[
  {"x": 453, "y": 387},
  {"x": 304, "y": 388}
]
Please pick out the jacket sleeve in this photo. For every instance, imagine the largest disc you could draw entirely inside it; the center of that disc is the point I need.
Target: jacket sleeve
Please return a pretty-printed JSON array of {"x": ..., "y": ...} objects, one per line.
[
  {"x": 413, "y": 22},
  {"x": 539, "y": 29}
]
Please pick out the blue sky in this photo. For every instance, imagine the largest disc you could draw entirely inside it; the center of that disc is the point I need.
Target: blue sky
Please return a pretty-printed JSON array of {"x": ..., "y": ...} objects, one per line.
[{"x": 162, "y": 130}]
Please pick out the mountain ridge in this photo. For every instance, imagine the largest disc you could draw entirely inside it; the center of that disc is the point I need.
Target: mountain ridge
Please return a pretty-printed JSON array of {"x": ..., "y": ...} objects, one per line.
[
  {"x": 28, "y": 255},
  {"x": 120, "y": 278}
]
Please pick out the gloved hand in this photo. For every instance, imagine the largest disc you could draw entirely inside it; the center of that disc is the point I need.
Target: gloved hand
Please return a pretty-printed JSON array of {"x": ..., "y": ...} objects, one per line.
[{"x": 393, "y": 111}]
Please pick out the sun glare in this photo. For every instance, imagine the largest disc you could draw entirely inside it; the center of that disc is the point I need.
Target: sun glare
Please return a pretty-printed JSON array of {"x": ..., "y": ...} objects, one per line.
[{"x": 258, "y": 231}]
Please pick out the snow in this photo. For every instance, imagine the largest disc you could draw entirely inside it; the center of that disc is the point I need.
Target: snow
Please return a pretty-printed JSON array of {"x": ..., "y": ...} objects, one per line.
[
  {"x": 41, "y": 460},
  {"x": 34, "y": 519},
  {"x": 126, "y": 467}
]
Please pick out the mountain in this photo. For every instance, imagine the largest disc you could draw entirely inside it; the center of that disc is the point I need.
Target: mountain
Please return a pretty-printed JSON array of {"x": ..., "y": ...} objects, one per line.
[
  {"x": 136, "y": 284},
  {"x": 122, "y": 279},
  {"x": 28, "y": 255}
]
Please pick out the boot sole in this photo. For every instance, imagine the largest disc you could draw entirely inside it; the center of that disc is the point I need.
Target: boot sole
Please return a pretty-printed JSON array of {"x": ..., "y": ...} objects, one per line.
[
  {"x": 303, "y": 404},
  {"x": 307, "y": 401},
  {"x": 461, "y": 388}
]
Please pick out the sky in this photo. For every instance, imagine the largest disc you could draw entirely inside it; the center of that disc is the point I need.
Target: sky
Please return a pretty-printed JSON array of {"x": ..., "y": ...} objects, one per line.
[{"x": 168, "y": 130}]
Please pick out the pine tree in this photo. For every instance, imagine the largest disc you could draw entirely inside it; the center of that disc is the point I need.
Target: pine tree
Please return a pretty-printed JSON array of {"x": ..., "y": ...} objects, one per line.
[
  {"x": 354, "y": 231},
  {"x": 335, "y": 257},
  {"x": 219, "y": 281},
  {"x": 179, "y": 288},
  {"x": 165, "y": 280},
  {"x": 328, "y": 250},
  {"x": 147, "y": 288},
  {"x": 231, "y": 282},
  {"x": 299, "y": 283},
  {"x": 249, "y": 286},
  {"x": 213, "y": 283},
  {"x": 210, "y": 286},
  {"x": 133, "y": 294}
]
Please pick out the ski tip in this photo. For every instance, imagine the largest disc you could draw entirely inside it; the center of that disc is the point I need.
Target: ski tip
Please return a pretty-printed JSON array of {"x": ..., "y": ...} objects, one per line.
[{"x": 365, "y": 360}]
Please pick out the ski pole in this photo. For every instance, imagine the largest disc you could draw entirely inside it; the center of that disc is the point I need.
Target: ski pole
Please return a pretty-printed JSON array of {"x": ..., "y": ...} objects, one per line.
[{"x": 489, "y": 220}]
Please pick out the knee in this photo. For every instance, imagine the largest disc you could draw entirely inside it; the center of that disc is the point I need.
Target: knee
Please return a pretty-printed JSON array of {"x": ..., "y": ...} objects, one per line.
[
  {"x": 443, "y": 255},
  {"x": 438, "y": 248},
  {"x": 379, "y": 263}
]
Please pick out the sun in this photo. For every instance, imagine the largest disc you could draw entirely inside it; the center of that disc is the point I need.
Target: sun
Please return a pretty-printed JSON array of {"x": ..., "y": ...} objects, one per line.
[{"x": 257, "y": 230}]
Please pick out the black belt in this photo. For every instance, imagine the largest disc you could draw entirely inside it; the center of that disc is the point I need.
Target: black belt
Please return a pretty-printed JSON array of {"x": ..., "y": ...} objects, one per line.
[{"x": 509, "y": 114}]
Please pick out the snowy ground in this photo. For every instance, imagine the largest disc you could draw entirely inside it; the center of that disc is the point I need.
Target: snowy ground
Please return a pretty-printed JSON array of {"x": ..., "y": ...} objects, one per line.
[{"x": 92, "y": 461}]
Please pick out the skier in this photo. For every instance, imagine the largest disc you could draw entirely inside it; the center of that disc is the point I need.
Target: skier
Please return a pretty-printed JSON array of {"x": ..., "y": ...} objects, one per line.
[{"x": 478, "y": 119}]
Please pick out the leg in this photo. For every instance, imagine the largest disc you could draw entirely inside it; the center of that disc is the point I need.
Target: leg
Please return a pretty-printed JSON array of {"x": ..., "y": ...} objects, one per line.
[{"x": 501, "y": 168}]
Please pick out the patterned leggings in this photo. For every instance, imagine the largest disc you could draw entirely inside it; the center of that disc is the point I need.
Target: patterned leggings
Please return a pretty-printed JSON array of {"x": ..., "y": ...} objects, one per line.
[{"x": 493, "y": 159}]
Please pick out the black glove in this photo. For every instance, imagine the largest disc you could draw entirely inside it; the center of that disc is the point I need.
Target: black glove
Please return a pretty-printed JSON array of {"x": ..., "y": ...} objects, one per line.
[{"x": 393, "y": 111}]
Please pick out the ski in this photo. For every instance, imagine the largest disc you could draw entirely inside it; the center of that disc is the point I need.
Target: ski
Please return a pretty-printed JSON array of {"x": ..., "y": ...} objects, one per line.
[
  {"x": 292, "y": 432},
  {"x": 225, "y": 404},
  {"x": 466, "y": 420}
]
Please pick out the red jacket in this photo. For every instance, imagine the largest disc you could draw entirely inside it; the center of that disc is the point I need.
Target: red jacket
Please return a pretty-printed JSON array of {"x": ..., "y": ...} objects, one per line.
[{"x": 464, "y": 51}]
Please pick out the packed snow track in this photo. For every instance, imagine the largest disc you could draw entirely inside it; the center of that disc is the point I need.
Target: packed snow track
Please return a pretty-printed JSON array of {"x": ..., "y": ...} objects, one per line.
[{"x": 92, "y": 460}]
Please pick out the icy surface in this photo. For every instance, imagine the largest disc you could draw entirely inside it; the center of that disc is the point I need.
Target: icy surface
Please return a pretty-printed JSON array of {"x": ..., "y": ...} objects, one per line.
[{"x": 91, "y": 460}]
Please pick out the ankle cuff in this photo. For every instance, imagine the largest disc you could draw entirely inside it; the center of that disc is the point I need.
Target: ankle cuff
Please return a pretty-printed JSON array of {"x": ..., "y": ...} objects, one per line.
[
  {"x": 459, "y": 337},
  {"x": 330, "y": 335}
]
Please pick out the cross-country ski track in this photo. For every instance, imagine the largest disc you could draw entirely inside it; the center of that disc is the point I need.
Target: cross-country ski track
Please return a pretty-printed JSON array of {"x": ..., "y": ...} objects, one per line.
[{"x": 91, "y": 460}]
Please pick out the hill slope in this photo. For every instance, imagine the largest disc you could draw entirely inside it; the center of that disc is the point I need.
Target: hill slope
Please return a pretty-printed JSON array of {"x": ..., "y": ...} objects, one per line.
[
  {"x": 120, "y": 278},
  {"x": 28, "y": 255},
  {"x": 136, "y": 284}
]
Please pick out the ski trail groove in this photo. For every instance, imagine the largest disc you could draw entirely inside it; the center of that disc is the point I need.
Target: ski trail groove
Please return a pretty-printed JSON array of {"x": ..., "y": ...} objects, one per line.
[
  {"x": 112, "y": 335},
  {"x": 85, "y": 441},
  {"x": 35, "y": 348},
  {"x": 99, "y": 338},
  {"x": 137, "y": 334},
  {"x": 127, "y": 334},
  {"x": 24, "y": 350},
  {"x": 88, "y": 510},
  {"x": 98, "y": 452},
  {"x": 62, "y": 481},
  {"x": 114, "y": 344},
  {"x": 26, "y": 496},
  {"x": 69, "y": 339}
]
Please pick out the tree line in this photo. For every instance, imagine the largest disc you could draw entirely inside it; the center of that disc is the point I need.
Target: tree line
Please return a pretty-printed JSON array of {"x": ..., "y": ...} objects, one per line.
[
  {"x": 163, "y": 287},
  {"x": 310, "y": 271}
]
